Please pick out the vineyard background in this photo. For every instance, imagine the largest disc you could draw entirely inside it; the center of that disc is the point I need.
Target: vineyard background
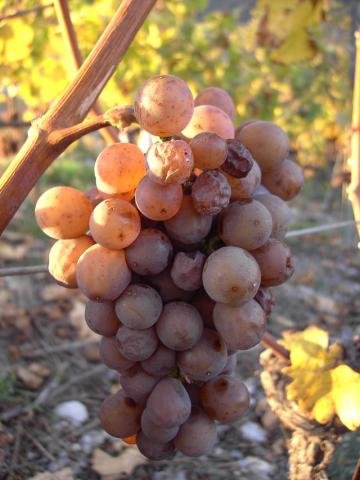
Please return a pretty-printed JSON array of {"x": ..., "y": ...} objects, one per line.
[{"x": 291, "y": 62}]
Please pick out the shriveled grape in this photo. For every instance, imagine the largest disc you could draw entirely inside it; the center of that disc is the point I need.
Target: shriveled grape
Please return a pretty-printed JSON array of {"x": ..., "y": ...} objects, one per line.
[
  {"x": 243, "y": 188},
  {"x": 186, "y": 270},
  {"x": 150, "y": 253},
  {"x": 265, "y": 299},
  {"x": 188, "y": 226},
  {"x": 115, "y": 223},
  {"x": 239, "y": 160},
  {"x": 111, "y": 356},
  {"x": 206, "y": 359},
  {"x": 139, "y": 306},
  {"x": 197, "y": 436},
  {"x": 207, "y": 118},
  {"x": 218, "y": 97},
  {"x": 209, "y": 150},
  {"x": 63, "y": 212},
  {"x": 63, "y": 258},
  {"x": 275, "y": 262},
  {"x": 246, "y": 224},
  {"x": 169, "y": 404},
  {"x": 161, "y": 363},
  {"x": 210, "y": 192},
  {"x": 169, "y": 162},
  {"x": 101, "y": 318},
  {"x": 179, "y": 326},
  {"x": 164, "y": 105},
  {"x": 137, "y": 384},
  {"x": 158, "y": 202},
  {"x": 120, "y": 415},
  {"x": 279, "y": 211},
  {"x": 119, "y": 168},
  {"x": 267, "y": 142},
  {"x": 285, "y": 181},
  {"x": 136, "y": 345},
  {"x": 225, "y": 398},
  {"x": 240, "y": 327},
  {"x": 231, "y": 275},
  {"x": 102, "y": 274}
]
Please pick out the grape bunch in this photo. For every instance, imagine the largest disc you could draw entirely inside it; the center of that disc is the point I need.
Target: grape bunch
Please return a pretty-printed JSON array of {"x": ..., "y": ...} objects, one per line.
[{"x": 176, "y": 251}]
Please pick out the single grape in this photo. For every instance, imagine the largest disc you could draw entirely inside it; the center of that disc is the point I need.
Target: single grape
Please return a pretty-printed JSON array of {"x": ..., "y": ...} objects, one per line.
[
  {"x": 169, "y": 162},
  {"x": 158, "y": 202},
  {"x": 243, "y": 188},
  {"x": 230, "y": 367},
  {"x": 154, "y": 432},
  {"x": 285, "y": 181},
  {"x": 136, "y": 345},
  {"x": 225, "y": 398},
  {"x": 186, "y": 270},
  {"x": 246, "y": 224},
  {"x": 161, "y": 363},
  {"x": 242, "y": 125},
  {"x": 150, "y": 253},
  {"x": 164, "y": 105},
  {"x": 265, "y": 299},
  {"x": 231, "y": 275},
  {"x": 120, "y": 415},
  {"x": 218, "y": 97},
  {"x": 268, "y": 143},
  {"x": 63, "y": 212},
  {"x": 240, "y": 327},
  {"x": 102, "y": 274},
  {"x": 179, "y": 326},
  {"x": 239, "y": 160},
  {"x": 206, "y": 359},
  {"x": 137, "y": 384},
  {"x": 188, "y": 226},
  {"x": 207, "y": 118},
  {"x": 154, "y": 450},
  {"x": 279, "y": 211},
  {"x": 169, "y": 404},
  {"x": 63, "y": 257},
  {"x": 101, "y": 318},
  {"x": 209, "y": 150},
  {"x": 119, "y": 168},
  {"x": 139, "y": 306},
  {"x": 205, "y": 306},
  {"x": 275, "y": 262},
  {"x": 197, "y": 436},
  {"x": 166, "y": 287},
  {"x": 115, "y": 224},
  {"x": 210, "y": 192},
  {"x": 111, "y": 356}
]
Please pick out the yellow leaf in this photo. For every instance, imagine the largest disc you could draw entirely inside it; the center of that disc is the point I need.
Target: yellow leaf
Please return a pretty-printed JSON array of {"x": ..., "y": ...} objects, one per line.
[
  {"x": 17, "y": 46},
  {"x": 346, "y": 395},
  {"x": 324, "y": 409}
]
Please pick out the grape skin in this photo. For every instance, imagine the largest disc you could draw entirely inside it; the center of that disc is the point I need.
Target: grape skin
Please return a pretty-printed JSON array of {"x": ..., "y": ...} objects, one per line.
[
  {"x": 137, "y": 384},
  {"x": 230, "y": 367},
  {"x": 158, "y": 202},
  {"x": 205, "y": 306},
  {"x": 179, "y": 326},
  {"x": 231, "y": 275},
  {"x": 246, "y": 224},
  {"x": 285, "y": 181},
  {"x": 139, "y": 306},
  {"x": 115, "y": 224},
  {"x": 279, "y": 211},
  {"x": 210, "y": 192},
  {"x": 161, "y": 363},
  {"x": 102, "y": 274},
  {"x": 243, "y": 188},
  {"x": 63, "y": 257},
  {"x": 206, "y": 359},
  {"x": 240, "y": 327},
  {"x": 101, "y": 318},
  {"x": 219, "y": 98},
  {"x": 207, "y": 118},
  {"x": 63, "y": 213},
  {"x": 136, "y": 345},
  {"x": 275, "y": 262},
  {"x": 186, "y": 270},
  {"x": 150, "y": 253},
  {"x": 111, "y": 356},
  {"x": 197, "y": 436},
  {"x": 120, "y": 415},
  {"x": 265, "y": 299},
  {"x": 209, "y": 150},
  {"x": 225, "y": 398},
  {"x": 166, "y": 287},
  {"x": 188, "y": 226},
  {"x": 154, "y": 432},
  {"x": 169, "y": 162},
  {"x": 154, "y": 450}
]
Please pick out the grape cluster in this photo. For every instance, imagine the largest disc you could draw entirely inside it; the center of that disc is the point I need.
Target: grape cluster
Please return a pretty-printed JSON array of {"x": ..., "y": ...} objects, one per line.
[{"x": 176, "y": 251}]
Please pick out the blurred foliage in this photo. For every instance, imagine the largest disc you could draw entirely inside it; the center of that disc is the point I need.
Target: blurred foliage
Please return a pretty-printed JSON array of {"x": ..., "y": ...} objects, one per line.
[{"x": 288, "y": 62}]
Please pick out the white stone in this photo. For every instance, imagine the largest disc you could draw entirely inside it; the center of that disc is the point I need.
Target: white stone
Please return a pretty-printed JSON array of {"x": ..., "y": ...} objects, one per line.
[
  {"x": 73, "y": 411},
  {"x": 253, "y": 432}
]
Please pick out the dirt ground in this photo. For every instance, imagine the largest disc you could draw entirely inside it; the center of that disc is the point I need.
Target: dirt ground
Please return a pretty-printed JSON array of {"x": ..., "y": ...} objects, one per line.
[{"x": 48, "y": 356}]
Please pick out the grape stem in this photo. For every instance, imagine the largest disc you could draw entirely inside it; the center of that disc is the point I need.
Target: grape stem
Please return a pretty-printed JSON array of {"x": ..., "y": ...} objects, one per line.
[
  {"x": 269, "y": 341},
  {"x": 63, "y": 123}
]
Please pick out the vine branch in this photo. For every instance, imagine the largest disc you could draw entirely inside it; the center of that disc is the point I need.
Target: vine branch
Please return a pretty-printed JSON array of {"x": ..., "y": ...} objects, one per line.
[
  {"x": 38, "y": 152},
  {"x": 26, "y": 11}
]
